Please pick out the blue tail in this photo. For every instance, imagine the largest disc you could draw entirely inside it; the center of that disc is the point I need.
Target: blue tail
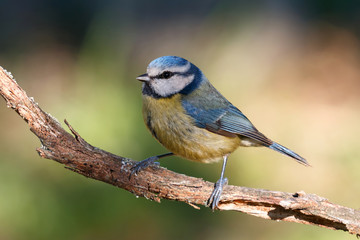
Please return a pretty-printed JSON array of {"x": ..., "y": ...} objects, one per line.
[{"x": 277, "y": 147}]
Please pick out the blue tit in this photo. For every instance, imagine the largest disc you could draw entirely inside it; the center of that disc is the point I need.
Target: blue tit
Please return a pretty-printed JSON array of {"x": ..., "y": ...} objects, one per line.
[{"x": 189, "y": 117}]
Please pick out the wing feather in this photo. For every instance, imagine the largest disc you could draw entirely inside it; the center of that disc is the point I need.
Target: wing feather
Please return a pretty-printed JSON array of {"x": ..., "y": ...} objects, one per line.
[
  {"x": 211, "y": 111},
  {"x": 227, "y": 121}
]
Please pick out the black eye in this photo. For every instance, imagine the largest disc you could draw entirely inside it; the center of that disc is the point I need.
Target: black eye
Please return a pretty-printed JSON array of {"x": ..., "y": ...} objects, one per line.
[{"x": 166, "y": 75}]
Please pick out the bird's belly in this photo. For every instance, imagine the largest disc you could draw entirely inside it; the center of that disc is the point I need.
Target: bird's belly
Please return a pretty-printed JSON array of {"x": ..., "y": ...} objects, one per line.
[{"x": 175, "y": 130}]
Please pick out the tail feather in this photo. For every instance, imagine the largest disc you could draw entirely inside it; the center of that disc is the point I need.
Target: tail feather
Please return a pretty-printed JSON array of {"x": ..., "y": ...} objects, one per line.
[{"x": 281, "y": 149}]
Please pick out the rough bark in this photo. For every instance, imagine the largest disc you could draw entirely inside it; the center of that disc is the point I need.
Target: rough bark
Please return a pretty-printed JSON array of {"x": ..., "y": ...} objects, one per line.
[{"x": 159, "y": 183}]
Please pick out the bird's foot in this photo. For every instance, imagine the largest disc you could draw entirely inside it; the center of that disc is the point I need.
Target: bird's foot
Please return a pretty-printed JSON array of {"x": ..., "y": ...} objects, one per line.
[
  {"x": 144, "y": 164},
  {"x": 216, "y": 194}
]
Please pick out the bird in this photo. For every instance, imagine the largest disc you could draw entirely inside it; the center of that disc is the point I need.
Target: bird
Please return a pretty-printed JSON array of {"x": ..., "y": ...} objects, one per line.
[{"x": 187, "y": 115}]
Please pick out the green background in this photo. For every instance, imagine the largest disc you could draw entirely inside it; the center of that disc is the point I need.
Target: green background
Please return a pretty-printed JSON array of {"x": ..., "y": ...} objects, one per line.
[{"x": 293, "y": 67}]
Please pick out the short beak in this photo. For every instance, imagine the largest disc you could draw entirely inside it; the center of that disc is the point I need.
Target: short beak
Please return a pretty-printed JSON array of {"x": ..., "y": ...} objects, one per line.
[{"x": 143, "y": 78}]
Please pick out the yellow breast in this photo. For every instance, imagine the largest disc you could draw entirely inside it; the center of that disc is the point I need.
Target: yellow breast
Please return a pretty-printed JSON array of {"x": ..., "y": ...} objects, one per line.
[{"x": 174, "y": 129}]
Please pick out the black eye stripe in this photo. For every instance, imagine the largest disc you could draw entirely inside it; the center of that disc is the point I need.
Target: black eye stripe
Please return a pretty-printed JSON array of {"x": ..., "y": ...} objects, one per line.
[
  {"x": 168, "y": 74},
  {"x": 165, "y": 75}
]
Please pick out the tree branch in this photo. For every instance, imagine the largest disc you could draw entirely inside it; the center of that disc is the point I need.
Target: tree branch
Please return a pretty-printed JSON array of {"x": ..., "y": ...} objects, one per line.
[{"x": 156, "y": 182}]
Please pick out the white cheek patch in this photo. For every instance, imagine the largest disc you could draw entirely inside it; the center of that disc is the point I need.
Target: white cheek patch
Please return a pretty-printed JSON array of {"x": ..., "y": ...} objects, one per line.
[{"x": 173, "y": 85}]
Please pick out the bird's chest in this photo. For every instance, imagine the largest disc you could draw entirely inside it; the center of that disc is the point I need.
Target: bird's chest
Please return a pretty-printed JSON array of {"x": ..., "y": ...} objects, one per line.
[
  {"x": 172, "y": 127},
  {"x": 167, "y": 121}
]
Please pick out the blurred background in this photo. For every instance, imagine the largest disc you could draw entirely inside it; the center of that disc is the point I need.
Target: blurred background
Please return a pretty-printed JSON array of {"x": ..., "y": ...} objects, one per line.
[{"x": 293, "y": 67}]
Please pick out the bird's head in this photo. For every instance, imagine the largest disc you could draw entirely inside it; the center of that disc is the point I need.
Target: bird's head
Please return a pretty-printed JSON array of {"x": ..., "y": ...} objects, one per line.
[{"x": 169, "y": 75}]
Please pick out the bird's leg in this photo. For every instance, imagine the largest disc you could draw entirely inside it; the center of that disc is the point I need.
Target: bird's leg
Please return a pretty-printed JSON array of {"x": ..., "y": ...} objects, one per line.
[
  {"x": 147, "y": 162},
  {"x": 216, "y": 194}
]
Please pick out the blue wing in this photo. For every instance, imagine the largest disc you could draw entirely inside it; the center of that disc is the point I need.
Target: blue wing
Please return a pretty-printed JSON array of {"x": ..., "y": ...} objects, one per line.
[
  {"x": 211, "y": 110},
  {"x": 227, "y": 121},
  {"x": 230, "y": 121}
]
